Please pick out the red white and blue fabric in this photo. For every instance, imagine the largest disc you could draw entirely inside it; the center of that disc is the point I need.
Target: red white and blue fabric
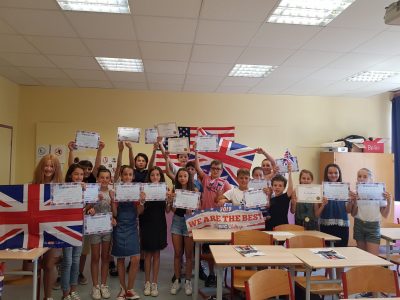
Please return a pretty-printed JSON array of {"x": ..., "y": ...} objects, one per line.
[
  {"x": 289, "y": 157},
  {"x": 27, "y": 220}
]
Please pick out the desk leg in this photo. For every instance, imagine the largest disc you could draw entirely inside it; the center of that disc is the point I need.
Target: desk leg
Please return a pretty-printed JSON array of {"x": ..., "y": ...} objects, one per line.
[
  {"x": 387, "y": 249},
  {"x": 292, "y": 275},
  {"x": 196, "y": 270},
  {"x": 331, "y": 244},
  {"x": 308, "y": 284},
  {"x": 220, "y": 271},
  {"x": 34, "y": 279}
]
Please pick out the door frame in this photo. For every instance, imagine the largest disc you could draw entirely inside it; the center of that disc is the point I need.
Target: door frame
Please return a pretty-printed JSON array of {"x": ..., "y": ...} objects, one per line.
[{"x": 11, "y": 152}]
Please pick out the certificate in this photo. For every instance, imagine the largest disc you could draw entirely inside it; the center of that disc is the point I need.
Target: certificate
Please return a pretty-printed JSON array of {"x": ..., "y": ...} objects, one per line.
[
  {"x": 87, "y": 139},
  {"x": 127, "y": 191},
  {"x": 283, "y": 165},
  {"x": 178, "y": 145},
  {"x": 336, "y": 190},
  {"x": 150, "y": 135},
  {"x": 255, "y": 198},
  {"x": 207, "y": 143},
  {"x": 128, "y": 134},
  {"x": 371, "y": 191},
  {"x": 259, "y": 184},
  {"x": 186, "y": 199},
  {"x": 309, "y": 193},
  {"x": 66, "y": 193},
  {"x": 91, "y": 192},
  {"x": 99, "y": 223},
  {"x": 167, "y": 130},
  {"x": 155, "y": 191}
]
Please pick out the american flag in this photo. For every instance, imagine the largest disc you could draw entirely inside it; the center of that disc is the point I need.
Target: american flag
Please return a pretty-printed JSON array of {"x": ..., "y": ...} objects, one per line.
[{"x": 27, "y": 220}]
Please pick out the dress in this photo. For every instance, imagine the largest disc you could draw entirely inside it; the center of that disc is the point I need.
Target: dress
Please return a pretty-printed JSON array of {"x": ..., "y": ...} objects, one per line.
[
  {"x": 125, "y": 234},
  {"x": 279, "y": 207},
  {"x": 305, "y": 216},
  {"x": 153, "y": 226},
  {"x": 334, "y": 220}
]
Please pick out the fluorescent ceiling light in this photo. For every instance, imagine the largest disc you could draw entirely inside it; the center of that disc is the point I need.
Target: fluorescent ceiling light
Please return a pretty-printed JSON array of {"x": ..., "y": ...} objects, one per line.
[
  {"x": 308, "y": 12},
  {"x": 121, "y": 64},
  {"x": 372, "y": 76},
  {"x": 240, "y": 70},
  {"x": 105, "y": 6}
]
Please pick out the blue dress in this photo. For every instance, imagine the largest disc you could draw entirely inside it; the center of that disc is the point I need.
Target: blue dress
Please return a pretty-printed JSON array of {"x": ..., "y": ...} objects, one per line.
[{"x": 125, "y": 234}]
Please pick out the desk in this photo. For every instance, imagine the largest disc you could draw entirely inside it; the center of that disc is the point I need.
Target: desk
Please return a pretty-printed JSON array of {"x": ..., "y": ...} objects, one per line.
[
  {"x": 281, "y": 236},
  {"x": 227, "y": 256},
  {"x": 355, "y": 257},
  {"x": 390, "y": 235},
  {"x": 33, "y": 256}
]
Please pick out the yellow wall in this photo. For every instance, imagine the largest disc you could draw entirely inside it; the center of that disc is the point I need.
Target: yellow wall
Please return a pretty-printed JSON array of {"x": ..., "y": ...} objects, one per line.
[
  {"x": 52, "y": 115},
  {"x": 9, "y": 104}
]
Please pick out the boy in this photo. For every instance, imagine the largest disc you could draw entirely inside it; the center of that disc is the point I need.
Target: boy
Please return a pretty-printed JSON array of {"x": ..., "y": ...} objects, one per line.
[{"x": 235, "y": 195}]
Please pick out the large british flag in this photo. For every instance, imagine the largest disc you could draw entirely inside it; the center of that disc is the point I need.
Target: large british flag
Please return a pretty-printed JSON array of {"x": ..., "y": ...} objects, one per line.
[{"x": 27, "y": 220}]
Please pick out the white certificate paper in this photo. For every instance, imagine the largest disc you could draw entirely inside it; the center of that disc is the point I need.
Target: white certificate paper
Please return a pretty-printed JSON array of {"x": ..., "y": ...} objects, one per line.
[
  {"x": 309, "y": 193},
  {"x": 178, "y": 145},
  {"x": 99, "y": 223},
  {"x": 255, "y": 198},
  {"x": 150, "y": 135},
  {"x": 259, "y": 184},
  {"x": 336, "y": 190},
  {"x": 91, "y": 192},
  {"x": 283, "y": 166},
  {"x": 207, "y": 143},
  {"x": 371, "y": 191},
  {"x": 127, "y": 192},
  {"x": 66, "y": 193},
  {"x": 87, "y": 139},
  {"x": 167, "y": 130},
  {"x": 186, "y": 199},
  {"x": 128, "y": 134},
  {"x": 155, "y": 191}
]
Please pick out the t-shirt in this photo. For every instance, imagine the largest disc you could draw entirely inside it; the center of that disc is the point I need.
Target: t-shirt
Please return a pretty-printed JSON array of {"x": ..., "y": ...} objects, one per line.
[
  {"x": 369, "y": 210},
  {"x": 140, "y": 175},
  {"x": 236, "y": 196},
  {"x": 279, "y": 207},
  {"x": 90, "y": 179},
  {"x": 103, "y": 206},
  {"x": 335, "y": 213},
  {"x": 210, "y": 190}
]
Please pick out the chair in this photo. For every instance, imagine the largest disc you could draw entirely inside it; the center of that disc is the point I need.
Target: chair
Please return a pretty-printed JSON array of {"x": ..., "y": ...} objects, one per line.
[
  {"x": 307, "y": 241},
  {"x": 393, "y": 258},
  {"x": 370, "y": 279},
  {"x": 289, "y": 227},
  {"x": 269, "y": 283}
]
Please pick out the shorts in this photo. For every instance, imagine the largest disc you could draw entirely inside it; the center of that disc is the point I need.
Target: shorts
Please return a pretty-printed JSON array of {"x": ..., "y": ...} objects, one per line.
[
  {"x": 367, "y": 231},
  {"x": 86, "y": 245},
  {"x": 178, "y": 226},
  {"x": 99, "y": 238}
]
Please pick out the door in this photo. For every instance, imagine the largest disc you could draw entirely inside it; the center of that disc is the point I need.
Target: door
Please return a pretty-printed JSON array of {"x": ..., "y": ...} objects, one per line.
[{"x": 6, "y": 133}]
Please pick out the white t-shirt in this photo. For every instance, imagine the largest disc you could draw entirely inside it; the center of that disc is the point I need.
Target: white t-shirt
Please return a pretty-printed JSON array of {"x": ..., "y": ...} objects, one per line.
[
  {"x": 235, "y": 196},
  {"x": 369, "y": 210}
]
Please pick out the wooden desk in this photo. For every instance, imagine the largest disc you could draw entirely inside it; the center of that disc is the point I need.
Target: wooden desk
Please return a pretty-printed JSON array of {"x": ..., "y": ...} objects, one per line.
[
  {"x": 281, "y": 236},
  {"x": 354, "y": 257},
  {"x": 390, "y": 235},
  {"x": 227, "y": 256},
  {"x": 33, "y": 255}
]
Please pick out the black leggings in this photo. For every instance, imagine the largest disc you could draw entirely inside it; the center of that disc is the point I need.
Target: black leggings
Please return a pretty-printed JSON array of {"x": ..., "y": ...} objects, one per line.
[{"x": 339, "y": 231}]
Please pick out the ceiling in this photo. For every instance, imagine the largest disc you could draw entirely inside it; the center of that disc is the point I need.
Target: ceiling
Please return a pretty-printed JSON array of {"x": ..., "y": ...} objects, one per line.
[{"x": 191, "y": 45}]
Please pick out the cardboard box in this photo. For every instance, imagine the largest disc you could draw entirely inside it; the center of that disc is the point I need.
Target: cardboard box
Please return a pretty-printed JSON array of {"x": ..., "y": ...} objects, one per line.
[
  {"x": 357, "y": 147},
  {"x": 375, "y": 146}
]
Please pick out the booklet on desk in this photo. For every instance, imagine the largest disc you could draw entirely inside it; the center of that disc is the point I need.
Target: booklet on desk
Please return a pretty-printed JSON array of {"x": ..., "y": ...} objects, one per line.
[
  {"x": 327, "y": 253},
  {"x": 248, "y": 251}
]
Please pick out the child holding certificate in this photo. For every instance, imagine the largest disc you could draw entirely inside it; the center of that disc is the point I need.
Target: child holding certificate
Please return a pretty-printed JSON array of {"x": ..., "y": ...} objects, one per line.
[
  {"x": 180, "y": 236},
  {"x": 126, "y": 238},
  {"x": 71, "y": 255},
  {"x": 367, "y": 215},
  {"x": 153, "y": 234},
  {"x": 268, "y": 164},
  {"x": 235, "y": 195},
  {"x": 171, "y": 168}
]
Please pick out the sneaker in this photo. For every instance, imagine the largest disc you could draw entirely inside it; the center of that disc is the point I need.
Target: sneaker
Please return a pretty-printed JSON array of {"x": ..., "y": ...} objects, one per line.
[
  {"x": 65, "y": 298},
  {"x": 176, "y": 286},
  {"x": 188, "y": 287},
  {"x": 121, "y": 295},
  {"x": 131, "y": 295},
  {"x": 147, "y": 288},
  {"x": 211, "y": 281},
  {"x": 75, "y": 296},
  {"x": 202, "y": 274},
  {"x": 105, "y": 291},
  {"x": 82, "y": 280},
  {"x": 57, "y": 284},
  {"x": 96, "y": 294},
  {"x": 154, "y": 289},
  {"x": 367, "y": 295},
  {"x": 112, "y": 269}
]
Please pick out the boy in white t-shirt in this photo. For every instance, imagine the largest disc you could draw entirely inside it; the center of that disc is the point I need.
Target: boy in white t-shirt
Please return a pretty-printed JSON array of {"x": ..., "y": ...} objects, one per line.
[{"x": 235, "y": 195}]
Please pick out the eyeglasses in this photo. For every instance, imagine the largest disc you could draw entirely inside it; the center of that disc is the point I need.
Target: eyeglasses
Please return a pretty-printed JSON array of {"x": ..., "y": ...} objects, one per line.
[{"x": 215, "y": 169}]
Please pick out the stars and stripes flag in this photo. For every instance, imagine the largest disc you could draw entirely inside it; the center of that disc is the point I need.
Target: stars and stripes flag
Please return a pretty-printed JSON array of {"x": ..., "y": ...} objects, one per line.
[{"x": 27, "y": 220}]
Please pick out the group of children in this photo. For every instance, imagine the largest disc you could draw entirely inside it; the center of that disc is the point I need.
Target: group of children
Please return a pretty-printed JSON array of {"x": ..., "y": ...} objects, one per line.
[{"x": 140, "y": 227}]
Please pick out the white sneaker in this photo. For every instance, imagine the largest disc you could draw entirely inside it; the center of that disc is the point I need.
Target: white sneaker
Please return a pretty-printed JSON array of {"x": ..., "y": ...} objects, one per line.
[
  {"x": 75, "y": 296},
  {"x": 147, "y": 288},
  {"x": 105, "y": 291},
  {"x": 131, "y": 295},
  {"x": 96, "y": 294},
  {"x": 65, "y": 298},
  {"x": 121, "y": 295},
  {"x": 176, "y": 286},
  {"x": 188, "y": 287},
  {"x": 154, "y": 289}
]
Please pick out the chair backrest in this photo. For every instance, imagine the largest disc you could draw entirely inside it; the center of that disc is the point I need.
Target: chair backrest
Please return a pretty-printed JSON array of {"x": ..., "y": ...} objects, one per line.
[
  {"x": 305, "y": 241},
  {"x": 269, "y": 283},
  {"x": 251, "y": 237},
  {"x": 289, "y": 227},
  {"x": 370, "y": 279}
]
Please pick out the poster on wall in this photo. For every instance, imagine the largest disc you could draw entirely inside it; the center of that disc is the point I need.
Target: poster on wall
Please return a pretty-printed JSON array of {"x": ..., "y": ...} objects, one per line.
[
  {"x": 60, "y": 151},
  {"x": 110, "y": 162},
  {"x": 41, "y": 150}
]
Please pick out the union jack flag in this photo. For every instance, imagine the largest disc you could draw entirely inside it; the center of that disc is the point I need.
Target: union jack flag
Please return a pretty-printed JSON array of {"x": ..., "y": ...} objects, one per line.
[
  {"x": 288, "y": 157},
  {"x": 27, "y": 220}
]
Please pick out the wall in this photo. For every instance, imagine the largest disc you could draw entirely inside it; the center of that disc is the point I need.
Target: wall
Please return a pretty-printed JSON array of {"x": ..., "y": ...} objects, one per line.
[
  {"x": 9, "y": 105},
  {"x": 52, "y": 115}
]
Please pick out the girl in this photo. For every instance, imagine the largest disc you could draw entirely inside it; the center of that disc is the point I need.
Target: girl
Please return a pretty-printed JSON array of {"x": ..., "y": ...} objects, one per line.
[
  {"x": 71, "y": 255},
  {"x": 366, "y": 215},
  {"x": 268, "y": 164},
  {"x": 100, "y": 243},
  {"x": 126, "y": 237},
  {"x": 48, "y": 170},
  {"x": 307, "y": 214},
  {"x": 180, "y": 235},
  {"x": 153, "y": 234}
]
